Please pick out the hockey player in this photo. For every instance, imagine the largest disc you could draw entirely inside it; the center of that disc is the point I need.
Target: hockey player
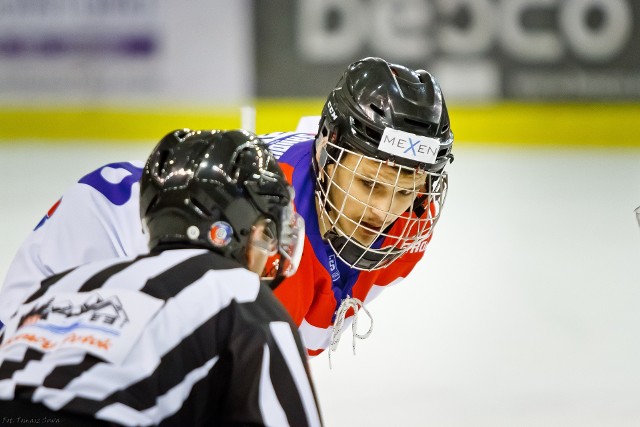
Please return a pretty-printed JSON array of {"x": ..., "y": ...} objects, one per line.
[
  {"x": 185, "y": 335},
  {"x": 370, "y": 185}
]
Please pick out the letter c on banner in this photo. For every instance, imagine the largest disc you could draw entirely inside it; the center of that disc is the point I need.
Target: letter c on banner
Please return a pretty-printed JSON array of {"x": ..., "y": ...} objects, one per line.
[
  {"x": 601, "y": 43},
  {"x": 526, "y": 45}
]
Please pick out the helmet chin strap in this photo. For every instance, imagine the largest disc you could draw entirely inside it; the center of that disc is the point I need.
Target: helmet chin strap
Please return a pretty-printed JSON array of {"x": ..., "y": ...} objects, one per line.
[{"x": 357, "y": 256}]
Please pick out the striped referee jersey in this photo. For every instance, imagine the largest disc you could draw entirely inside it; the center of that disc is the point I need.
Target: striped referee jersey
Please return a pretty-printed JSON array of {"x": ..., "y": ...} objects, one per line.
[{"x": 178, "y": 337}]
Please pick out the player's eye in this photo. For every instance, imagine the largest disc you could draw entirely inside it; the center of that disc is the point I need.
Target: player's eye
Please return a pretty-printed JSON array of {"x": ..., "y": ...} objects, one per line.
[{"x": 367, "y": 183}]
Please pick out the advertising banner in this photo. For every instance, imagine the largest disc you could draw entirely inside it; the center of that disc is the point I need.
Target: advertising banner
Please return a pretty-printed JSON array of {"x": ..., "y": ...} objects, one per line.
[{"x": 478, "y": 49}]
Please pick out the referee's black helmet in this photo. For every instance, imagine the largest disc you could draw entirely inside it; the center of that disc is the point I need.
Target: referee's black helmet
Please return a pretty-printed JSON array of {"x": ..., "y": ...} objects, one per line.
[{"x": 208, "y": 188}]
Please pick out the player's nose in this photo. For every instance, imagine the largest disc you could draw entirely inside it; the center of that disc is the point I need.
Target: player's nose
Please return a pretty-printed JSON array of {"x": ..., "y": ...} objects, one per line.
[{"x": 376, "y": 215}]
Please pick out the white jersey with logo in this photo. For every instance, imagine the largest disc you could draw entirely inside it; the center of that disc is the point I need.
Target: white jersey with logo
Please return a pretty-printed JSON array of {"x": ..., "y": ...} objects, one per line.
[{"x": 96, "y": 218}]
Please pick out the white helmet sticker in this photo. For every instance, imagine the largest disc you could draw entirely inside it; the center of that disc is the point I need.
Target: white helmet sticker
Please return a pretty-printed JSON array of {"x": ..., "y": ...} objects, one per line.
[{"x": 409, "y": 146}]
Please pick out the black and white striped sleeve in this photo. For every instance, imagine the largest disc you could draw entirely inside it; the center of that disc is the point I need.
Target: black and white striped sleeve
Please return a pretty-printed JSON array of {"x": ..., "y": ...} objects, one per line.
[{"x": 270, "y": 382}]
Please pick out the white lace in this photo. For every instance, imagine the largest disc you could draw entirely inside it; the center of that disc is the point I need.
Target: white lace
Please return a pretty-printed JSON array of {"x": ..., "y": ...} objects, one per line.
[{"x": 338, "y": 324}]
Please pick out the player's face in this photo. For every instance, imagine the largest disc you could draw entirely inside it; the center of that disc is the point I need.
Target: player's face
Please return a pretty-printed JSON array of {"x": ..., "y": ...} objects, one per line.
[
  {"x": 261, "y": 246},
  {"x": 368, "y": 196}
]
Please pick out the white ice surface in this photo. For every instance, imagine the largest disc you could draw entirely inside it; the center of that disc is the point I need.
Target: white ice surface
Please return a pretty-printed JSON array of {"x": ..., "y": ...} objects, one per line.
[{"x": 524, "y": 312}]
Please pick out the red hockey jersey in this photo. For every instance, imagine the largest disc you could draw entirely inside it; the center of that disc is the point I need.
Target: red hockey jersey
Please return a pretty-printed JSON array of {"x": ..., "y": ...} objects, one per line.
[{"x": 323, "y": 281}]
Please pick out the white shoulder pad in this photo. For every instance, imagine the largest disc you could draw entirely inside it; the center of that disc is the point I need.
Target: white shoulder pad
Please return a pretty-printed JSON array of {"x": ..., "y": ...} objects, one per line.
[{"x": 280, "y": 142}]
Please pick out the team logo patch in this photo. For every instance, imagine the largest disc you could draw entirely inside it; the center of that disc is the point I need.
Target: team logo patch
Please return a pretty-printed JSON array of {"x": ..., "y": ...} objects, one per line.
[
  {"x": 220, "y": 234},
  {"x": 106, "y": 324},
  {"x": 333, "y": 268},
  {"x": 49, "y": 214}
]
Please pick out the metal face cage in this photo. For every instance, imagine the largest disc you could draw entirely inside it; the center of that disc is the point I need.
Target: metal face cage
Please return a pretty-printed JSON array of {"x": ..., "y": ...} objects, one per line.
[{"x": 372, "y": 212}]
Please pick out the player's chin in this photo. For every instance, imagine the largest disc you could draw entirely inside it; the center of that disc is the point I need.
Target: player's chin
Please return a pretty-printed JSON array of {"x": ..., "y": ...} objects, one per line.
[{"x": 365, "y": 237}]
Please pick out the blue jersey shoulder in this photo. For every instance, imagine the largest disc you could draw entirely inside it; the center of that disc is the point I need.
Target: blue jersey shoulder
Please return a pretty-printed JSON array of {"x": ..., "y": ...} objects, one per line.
[{"x": 114, "y": 181}]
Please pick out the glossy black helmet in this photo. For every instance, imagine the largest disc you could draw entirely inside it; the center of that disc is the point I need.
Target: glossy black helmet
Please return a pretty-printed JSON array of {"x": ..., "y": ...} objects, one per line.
[
  {"x": 374, "y": 95},
  {"x": 209, "y": 188}
]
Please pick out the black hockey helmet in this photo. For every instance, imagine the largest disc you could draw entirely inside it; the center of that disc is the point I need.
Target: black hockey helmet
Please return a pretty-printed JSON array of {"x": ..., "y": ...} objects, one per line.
[
  {"x": 209, "y": 188},
  {"x": 374, "y": 95}
]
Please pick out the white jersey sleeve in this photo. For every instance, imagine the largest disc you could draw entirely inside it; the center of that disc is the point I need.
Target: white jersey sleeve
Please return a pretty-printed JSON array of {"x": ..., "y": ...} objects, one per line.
[
  {"x": 308, "y": 124},
  {"x": 97, "y": 218},
  {"x": 280, "y": 142}
]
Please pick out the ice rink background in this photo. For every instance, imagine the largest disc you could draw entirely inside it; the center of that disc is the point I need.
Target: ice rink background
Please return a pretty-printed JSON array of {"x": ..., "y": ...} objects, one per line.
[{"x": 524, "y": 312}]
